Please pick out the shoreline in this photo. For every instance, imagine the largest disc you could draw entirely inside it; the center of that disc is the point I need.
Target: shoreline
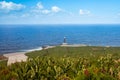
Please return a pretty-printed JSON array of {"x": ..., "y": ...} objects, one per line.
[
  {"x": 24, "y": 51},
  {"x": 62, "y": 45},
  {"x": 47, "y": 47},
  {"x": 27, "y": 51},
  {"x": 20, "y": 56}
]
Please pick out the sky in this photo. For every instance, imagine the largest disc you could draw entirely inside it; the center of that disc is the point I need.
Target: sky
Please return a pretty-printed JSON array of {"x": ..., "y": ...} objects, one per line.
[{"x": 59, "y": 11}]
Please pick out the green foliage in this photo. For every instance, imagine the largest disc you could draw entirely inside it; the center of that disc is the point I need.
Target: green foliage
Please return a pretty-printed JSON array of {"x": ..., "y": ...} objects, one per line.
[
  {"x": 71, "y": 64},
  {"x": 63, "y": 68},
  {"x": 3, "y": 62},
  {"x": 84, "y": 51}
]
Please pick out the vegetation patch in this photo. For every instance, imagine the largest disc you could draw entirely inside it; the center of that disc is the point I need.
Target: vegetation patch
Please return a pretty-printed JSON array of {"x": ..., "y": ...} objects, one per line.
[{"x": 67, "y": 63}]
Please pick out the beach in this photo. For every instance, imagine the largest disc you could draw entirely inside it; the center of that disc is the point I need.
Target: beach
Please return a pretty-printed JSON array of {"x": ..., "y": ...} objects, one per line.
[
  {"x": 15, "y": 57},
  {"x": 20, "y": 56}
]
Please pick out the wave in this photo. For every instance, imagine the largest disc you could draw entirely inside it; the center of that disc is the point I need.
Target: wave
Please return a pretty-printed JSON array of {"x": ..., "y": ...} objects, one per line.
[{"x": 35, "y": 49}]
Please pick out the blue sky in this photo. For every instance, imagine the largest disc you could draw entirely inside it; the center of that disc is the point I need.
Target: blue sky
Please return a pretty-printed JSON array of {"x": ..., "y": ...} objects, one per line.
[{"x": 59, "y": 11}]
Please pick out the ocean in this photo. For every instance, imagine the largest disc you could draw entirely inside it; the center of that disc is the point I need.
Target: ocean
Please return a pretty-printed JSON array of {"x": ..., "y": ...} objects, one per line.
[{"x": 18, "y": 38}]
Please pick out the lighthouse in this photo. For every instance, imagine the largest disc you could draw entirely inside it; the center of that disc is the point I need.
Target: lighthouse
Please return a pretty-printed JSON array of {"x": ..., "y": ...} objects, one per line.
[{"x": 64, "y": 41}]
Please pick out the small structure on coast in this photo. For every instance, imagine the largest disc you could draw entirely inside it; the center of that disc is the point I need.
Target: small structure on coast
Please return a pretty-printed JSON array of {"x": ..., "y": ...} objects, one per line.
[
  {"x": 65, "y": 44},
  {"x": 64, "y": 41}
]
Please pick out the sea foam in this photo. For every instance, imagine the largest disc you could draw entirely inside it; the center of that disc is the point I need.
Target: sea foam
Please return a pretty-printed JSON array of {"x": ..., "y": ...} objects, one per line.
[{"x": 35, "y": 49}]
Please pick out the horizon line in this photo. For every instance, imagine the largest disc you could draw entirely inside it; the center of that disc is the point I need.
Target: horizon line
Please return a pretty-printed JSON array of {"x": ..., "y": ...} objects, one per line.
[{"x": 64, "y": 24}]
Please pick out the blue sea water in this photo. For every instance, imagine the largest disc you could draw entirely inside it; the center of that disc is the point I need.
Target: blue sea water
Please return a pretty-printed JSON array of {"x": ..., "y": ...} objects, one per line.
[{"x": 14, "y": 38}]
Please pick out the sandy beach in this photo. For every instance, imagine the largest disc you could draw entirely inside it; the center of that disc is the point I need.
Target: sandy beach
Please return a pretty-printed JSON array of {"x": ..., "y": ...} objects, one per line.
[
  {"x": 15, "y": 57},
  {"x": 20, "y": 56}
]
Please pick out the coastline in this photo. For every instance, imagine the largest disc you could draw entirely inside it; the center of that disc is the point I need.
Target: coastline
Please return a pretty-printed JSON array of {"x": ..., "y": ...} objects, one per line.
[
  {"x": 24, "y": 51},
  {"x": 48, "y": 46},
  {"x": 20, "y": 56}
]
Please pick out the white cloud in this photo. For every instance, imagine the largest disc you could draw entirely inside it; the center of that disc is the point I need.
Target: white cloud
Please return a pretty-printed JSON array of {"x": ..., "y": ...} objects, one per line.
[
  {"x": 39, "y": 5},
  {"x": 84, "y": 12},
  {"x": 56, "y": 9},
  {"x": 39, "y": 9},
  {"x": 10, "y": 6},
  {"x": 45, "y": 11}
]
